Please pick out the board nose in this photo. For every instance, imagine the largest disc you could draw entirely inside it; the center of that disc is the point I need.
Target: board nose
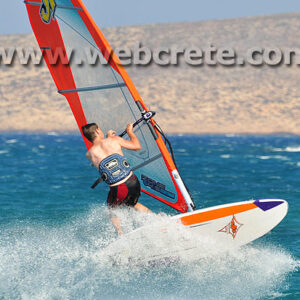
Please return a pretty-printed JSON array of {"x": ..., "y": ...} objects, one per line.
[{"x": 268, "y": 204}]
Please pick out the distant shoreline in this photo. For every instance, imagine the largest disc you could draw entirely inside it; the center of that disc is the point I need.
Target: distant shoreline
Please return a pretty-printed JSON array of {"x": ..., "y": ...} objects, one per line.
[
  {"x": 73, "y": 133},
  {"x": 240, "y": 100}
]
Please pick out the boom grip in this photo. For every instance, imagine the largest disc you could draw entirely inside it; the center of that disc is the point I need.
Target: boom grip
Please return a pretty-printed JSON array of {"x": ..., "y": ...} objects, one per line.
[{"x": 145, "y": 117}]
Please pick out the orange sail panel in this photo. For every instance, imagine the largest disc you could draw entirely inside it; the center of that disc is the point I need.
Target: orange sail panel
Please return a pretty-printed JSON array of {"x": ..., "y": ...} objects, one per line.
[{"x": 102, "y": 93}]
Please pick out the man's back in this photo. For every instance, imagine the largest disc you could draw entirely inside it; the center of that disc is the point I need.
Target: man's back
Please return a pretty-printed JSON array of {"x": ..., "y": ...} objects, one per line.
[{"x": 103, "y": 149}]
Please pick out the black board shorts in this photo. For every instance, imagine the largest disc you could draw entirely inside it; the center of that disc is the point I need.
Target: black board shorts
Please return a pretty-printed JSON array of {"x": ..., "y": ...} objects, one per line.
[{"x": 125, "y": 194}]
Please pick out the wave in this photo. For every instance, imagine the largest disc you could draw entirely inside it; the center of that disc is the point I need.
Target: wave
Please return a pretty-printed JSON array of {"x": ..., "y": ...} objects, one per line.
[
  {"x": 292, "y": 149},
  {"x": 226, "y": 156},
  {"x": 287, "y": 149},
  {"x": 12, "y": 141},
  {"x": 279, "y": 157},
  {"x": 53, "y": 133},
  {"x": 71, "y": 261}
]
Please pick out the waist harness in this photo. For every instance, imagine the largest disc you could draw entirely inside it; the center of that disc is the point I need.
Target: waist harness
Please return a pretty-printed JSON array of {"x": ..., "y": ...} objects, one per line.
[{"x": 114, "y": 168}]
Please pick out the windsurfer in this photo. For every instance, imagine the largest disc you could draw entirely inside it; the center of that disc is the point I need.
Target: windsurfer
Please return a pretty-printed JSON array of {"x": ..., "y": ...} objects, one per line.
[{"x": 107, "y": 156}]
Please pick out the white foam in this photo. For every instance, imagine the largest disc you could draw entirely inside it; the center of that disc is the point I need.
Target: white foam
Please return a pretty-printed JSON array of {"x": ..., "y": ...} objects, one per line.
[
  {"x": 3, "y": 152},
  {"x": 292, "y": 149},
  {"x": 13, "y": 141},
  {"x": 277, "y": 150},
  {"x": 53, "y": 133},
  {"x": 181, "y": 150},
  {"x": 56, "y": 187},
  {"x": 226, "y": 156},
  {"x": 231, "y": 135},
  {"x": 279, "y": 157},
  {"x": 287, "y": 149},
  {"x": 264, "y": 157},
  {"x": 69, "y": 262}
]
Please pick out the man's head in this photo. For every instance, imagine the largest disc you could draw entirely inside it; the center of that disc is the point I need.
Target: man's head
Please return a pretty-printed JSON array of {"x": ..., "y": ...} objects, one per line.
[{"x": 91, "y": 131}]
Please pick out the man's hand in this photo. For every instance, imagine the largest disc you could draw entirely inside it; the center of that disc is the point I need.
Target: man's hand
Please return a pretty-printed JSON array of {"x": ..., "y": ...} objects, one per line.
[
  {"x": 134, "y": 143},
  {"x": 111, "y": 133},
  {"x": 129, "y": 128}
]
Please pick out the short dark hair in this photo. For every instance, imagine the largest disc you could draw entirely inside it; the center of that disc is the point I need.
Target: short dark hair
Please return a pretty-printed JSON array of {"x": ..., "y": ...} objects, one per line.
[{"x": 89, "y": 131}]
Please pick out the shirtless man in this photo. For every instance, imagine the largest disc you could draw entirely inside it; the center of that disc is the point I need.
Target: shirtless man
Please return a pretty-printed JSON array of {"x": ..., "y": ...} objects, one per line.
[{"x": 107, "y": 156}]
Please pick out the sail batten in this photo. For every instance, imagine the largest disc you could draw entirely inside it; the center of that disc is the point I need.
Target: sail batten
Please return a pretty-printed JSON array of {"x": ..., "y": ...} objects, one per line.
[
  {"x": 147, "y": 162},
  {"x": 58, "y": 6},
  {"x": 93, "y": 88},
  {"x": 104, "y": 94},
  {"x": 69, "y": 7},
  {"x": 32, "y": 3}
]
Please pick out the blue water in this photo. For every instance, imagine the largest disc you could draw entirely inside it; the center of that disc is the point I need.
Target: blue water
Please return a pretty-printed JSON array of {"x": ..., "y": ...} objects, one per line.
[{"x": 52, "y": 225}]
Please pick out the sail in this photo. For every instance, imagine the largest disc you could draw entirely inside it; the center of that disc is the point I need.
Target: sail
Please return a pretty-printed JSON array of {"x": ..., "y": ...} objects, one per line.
[{"x": 104, "y": 93}]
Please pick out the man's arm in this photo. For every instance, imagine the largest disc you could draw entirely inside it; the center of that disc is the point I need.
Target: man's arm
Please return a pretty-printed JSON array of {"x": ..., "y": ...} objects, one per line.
[
  {"x": 133, "y": 143},
  {"x": 88, "y": 156}
]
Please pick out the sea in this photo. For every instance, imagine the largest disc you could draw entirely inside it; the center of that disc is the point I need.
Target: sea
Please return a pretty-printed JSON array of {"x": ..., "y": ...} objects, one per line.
[{"x": 55, "y": 234}]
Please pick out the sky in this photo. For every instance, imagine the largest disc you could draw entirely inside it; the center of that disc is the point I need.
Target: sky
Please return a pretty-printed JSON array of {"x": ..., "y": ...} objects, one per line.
[{"x": 13, "y": 16}]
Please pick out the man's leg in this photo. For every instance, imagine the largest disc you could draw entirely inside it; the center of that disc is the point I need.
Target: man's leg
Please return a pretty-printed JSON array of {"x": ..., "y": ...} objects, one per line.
[
  {"x": 116, "y": 222},
  {"x": 112, "y": 197},
  {"x": 141, "y": 208}
]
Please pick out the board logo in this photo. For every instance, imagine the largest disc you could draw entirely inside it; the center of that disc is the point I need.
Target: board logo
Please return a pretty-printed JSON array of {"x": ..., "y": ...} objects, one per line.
[
  {"x": 47, "y": 10},
  {"x": 232, "y": 228},
  {"x": 157, "y": 186}
]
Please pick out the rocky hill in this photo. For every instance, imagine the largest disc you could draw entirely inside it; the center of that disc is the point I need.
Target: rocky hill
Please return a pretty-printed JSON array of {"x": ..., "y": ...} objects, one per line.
[{"x": 202, "y": 99}]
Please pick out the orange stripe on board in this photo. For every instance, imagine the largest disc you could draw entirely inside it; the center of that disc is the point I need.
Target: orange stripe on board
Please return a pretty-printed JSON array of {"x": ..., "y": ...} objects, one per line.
[{"x": 216, "y": 214}]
